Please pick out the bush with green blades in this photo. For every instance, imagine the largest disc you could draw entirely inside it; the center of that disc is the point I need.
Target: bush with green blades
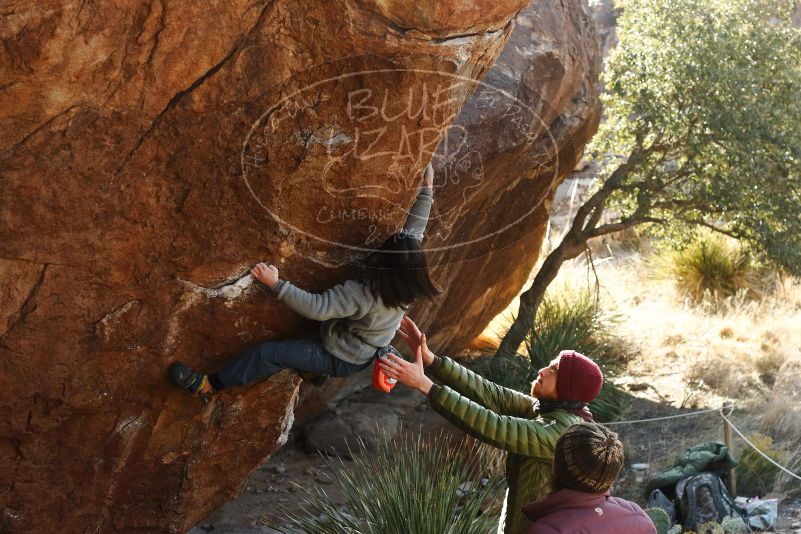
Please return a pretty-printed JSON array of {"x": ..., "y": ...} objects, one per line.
[
  {"x": 436, "y": 485},
  {"x": 711, "y": 266},
  {"x": 575, "y": 320}
]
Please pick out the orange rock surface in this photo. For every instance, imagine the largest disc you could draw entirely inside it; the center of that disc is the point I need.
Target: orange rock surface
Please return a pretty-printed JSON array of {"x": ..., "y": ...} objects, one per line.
[{"x": 151, "y": 152}]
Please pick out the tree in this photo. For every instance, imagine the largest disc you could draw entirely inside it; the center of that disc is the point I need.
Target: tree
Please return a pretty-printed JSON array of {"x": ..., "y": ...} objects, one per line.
[{"x": 702, "y": 128}]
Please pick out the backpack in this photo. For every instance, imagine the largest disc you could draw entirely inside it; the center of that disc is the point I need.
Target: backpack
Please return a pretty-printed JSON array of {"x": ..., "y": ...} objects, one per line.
[{"x": 702, "y": 498}]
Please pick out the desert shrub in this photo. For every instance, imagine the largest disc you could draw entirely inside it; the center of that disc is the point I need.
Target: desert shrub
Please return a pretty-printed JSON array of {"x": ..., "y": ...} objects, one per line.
[
  {"x": 786, "y": 484},
  {"x": 428, "y": 486},
  {"x": 768, "y": 364},
  {"x": 512, "y": 371},
  {"x": 727, "y": 370},
  {"x": 711, "y": 266},
  {"x": 756, "y": 475},
  {"x": 572, "y": 319}
]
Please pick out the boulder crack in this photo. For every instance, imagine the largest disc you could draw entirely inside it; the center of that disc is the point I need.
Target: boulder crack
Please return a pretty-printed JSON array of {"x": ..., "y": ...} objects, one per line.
[
  {"x": 423, "y": 35},
  {"x": 28, "y": 305},
  {"x": 238, "y": 46}
]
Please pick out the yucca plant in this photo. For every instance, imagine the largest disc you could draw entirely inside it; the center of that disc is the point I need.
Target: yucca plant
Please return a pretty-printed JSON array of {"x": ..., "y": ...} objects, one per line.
[
  {"x": 568, "y": 320},
  {"x": 575, "y": 320},
  {"x": 712, "y": 266},
  {"x": 436, "y": 485}
]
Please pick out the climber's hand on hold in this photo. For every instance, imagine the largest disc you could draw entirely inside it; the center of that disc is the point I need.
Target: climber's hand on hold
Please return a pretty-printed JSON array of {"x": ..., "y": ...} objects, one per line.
[
  {"x": 266, "y": 274},
  {"x": 428, "y": 176}
]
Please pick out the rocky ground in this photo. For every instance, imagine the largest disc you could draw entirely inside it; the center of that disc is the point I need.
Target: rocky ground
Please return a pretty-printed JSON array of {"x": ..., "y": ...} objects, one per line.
[{"x": 299, "y": 465}]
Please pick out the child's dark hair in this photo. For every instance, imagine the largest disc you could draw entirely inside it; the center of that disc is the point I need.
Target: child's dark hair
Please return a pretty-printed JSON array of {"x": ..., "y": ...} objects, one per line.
[{"x": 398, "y": 272}]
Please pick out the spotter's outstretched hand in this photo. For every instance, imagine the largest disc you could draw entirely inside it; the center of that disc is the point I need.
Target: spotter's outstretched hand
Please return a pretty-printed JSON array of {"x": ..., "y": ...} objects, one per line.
[
  {"x": 409, "y": 374},
  {"x": 409, "y": 332}
]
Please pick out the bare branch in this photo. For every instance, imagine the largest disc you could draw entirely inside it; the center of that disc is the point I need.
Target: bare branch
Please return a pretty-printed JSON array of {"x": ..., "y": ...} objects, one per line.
[
  {"x": 597, "y": 200},
  {"x": 591, "y": 265},
  {"x": 725, "y": 231},
  {"x": 595, "y": 217},
  {"x": 619, "y": 226}
]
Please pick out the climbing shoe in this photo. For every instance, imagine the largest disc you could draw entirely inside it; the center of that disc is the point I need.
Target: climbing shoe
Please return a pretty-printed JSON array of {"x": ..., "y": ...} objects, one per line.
[{"x": 184, "y": 377}]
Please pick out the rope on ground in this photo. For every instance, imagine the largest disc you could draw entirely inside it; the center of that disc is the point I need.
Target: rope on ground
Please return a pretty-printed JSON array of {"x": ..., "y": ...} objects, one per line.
[
  {"x": 677, "y": 416},
  {"x": 765, "y": 456}
]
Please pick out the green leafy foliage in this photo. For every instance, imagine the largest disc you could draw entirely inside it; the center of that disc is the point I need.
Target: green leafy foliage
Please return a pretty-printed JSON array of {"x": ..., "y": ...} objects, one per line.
[
  {"x": 430, "y": 486},
  {"x": 702, "y": 121}
]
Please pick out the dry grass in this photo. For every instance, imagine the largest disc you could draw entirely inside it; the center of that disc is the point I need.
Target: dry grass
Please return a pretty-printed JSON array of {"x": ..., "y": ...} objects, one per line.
[{"x": 733, "y": 349}]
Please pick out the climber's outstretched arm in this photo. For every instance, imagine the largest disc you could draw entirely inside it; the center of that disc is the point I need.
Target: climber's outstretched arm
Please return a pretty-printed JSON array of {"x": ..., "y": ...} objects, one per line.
[{"x": 417, "y": 219}]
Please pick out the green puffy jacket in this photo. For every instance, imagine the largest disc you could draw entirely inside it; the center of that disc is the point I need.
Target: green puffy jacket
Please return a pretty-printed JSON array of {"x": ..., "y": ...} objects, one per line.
[{"x": 506, "y": 419}]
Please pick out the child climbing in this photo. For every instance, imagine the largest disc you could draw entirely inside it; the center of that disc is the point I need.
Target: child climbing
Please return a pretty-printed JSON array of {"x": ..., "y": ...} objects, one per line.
[{"x": 359, "y": 317}]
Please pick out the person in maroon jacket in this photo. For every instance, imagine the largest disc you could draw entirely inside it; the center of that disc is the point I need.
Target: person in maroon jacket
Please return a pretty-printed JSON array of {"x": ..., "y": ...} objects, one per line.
[{"x": 587, "y": 461}]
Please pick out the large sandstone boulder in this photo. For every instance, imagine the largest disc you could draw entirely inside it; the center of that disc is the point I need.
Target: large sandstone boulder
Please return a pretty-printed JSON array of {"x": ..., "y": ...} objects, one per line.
[
  {"x": 515, "y": 140},
  {"x": 150, "y": 152}
]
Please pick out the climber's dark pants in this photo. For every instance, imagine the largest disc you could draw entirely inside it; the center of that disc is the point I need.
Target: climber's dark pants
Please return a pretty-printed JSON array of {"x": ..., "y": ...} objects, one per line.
[{"x": 261, "y": 361}]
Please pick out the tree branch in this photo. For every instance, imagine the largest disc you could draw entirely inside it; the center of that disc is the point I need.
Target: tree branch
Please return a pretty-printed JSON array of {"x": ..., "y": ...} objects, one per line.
[
  {"x": 619, "y": 226},
  {"x": 593, "y": 207},
  {"x": 700, "y": 222}
]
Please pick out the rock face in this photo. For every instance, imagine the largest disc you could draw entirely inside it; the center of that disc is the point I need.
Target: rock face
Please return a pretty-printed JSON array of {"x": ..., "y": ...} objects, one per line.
[
  {"x": 521, "y": 132},
  {"x": 150, "y": 152}
]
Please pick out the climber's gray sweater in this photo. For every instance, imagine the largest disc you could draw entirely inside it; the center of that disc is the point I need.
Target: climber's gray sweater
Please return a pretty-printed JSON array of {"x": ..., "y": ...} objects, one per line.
[{"x": 355, "y": 320}]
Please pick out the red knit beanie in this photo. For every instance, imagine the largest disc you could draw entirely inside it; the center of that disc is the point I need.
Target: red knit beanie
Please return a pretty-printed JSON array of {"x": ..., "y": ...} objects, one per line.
[{"x": 578, "y": 378}]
